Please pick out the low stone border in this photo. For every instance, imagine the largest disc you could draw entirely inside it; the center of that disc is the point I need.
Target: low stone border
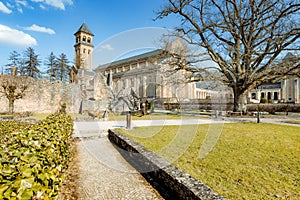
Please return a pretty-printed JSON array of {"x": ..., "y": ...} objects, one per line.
[{"x": 169, "y": 181}]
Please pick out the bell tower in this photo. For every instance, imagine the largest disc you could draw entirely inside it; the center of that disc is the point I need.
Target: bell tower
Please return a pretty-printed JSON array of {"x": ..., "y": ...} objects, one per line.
[{"x": 84, "y": 48}]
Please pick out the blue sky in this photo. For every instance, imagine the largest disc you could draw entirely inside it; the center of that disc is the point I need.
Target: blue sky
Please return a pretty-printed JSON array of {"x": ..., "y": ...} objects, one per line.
[{"x": 48, "y": 26}]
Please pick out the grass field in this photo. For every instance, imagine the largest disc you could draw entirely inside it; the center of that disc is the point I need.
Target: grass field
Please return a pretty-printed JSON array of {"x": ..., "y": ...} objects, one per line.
[
  {"x": 249, "y": 161},
  {"x": 157, "y": 116}
]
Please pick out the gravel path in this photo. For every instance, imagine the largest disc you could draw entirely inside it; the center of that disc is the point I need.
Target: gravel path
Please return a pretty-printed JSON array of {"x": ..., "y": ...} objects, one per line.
[{"x": 104, "y": 174}]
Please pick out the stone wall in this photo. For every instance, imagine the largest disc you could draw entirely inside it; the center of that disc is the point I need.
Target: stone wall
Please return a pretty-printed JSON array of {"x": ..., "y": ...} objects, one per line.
[
  {"x": 46, "y": 97},
  {"x": 171, "y": 182}
]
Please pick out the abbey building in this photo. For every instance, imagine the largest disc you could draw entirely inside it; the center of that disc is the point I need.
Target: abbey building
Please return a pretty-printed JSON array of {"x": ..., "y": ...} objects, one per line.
[
  {"x": 146, "y": 77},
  {"x": 142, "y": 76}
]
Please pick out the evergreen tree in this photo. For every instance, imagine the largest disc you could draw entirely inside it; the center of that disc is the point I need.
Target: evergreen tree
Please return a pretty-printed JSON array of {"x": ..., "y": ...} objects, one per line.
[
  {"x": 52, "y": 71},
  {"x": 15, "y": 61},
  {"x": 63, "y": 67},
  {"x": 31, "y": 63}
]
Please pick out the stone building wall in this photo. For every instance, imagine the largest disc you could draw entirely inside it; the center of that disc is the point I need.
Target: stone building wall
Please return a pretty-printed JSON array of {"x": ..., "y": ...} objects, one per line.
[{"x": 46, "y": 97}]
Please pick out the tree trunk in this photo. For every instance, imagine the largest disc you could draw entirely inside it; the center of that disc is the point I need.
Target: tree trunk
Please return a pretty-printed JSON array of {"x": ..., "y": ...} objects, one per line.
[
  {"x": 236, "y": 99},
  {"x": 240, "y": 101},
  {"x": 11, "y": 106}
]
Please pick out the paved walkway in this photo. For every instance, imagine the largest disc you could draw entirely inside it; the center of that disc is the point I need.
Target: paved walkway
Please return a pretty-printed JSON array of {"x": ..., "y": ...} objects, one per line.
[{"x": 104, "y": 174}]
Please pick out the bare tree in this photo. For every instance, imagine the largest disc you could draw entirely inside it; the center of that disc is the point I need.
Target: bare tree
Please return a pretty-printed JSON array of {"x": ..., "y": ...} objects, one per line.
[
  {"x": 246, "y": 39},
  {"x": 13, "y": 88}
]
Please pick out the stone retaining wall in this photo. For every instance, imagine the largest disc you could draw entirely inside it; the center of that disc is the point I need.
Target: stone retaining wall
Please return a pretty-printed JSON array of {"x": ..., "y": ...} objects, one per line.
[
  {"x": 171, "y": 182},
  {"x": 43, "y": 96}
]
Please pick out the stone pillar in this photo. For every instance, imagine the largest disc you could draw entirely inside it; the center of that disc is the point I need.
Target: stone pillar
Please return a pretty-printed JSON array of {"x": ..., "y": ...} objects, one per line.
[
  {"x": 283, "y": 90},
  {"x": 144, "y": 86},
  {"x": 257, "y": 95},
  {"x": 296, "y": 90}
]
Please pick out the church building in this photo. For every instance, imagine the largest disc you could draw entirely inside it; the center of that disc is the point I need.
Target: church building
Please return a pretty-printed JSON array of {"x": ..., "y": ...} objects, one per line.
[
  {"x": 143, "y": 76},
  {"x": 147, "y": 77}
]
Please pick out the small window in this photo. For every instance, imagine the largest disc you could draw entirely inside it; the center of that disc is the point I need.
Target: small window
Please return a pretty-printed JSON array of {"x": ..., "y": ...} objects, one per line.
[
  {"x": 134, "y": 66},
  {"x": 84, "y": 39},
  {"x": 89, "y": 40},
  {"x": 89, "y": 51},
  {"x": 84, "y": 50},
  {"x": 126, "y": 68}
]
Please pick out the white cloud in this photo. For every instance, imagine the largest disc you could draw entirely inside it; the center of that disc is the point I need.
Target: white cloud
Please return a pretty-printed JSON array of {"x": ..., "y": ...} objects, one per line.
[
  {"x": 15, "y": 37},
  {"x": 4, "y": 9},
  {"x": 107, "y": 47},
  {"x": 42, "y": 7},
  {"x": 37, "y": 28},
  {"x": 22, "y": 2},
  {"x": 20, "y": 10},
  {"x": 60, "y": 4}
]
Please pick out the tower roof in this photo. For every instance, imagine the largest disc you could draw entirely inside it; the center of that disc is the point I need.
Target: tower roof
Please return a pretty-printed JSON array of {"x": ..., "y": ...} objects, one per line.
[{"x": 83, "y": 28}]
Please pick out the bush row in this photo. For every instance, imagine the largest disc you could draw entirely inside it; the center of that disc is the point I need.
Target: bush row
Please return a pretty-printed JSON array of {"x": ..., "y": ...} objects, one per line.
[
  {"x": 272, "y": 108},
  {"x": 33, "y": 160}
]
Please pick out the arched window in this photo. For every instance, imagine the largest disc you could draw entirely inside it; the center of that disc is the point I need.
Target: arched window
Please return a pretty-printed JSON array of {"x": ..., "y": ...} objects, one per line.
[
  {"x": 253, "y": 96},
  {"x": 275, "y": 95},
  {"x": 89, "y": 40},
  {"x": 84, "y": 39},
  {"x": 269, "y": 95}
]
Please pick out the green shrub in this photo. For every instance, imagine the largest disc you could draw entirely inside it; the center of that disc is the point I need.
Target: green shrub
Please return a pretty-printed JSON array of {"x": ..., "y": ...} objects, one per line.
[
  {"x": 270, "y": 101},
  {"x": 32, "y": 161},
  {"x": 263, "y": 100}
]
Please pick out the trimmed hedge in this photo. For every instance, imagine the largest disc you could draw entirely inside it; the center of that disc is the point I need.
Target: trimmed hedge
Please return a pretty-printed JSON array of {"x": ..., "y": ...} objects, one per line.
[
  {"x": 33, "y": 160},
  {"x": 272, "y": 108}
]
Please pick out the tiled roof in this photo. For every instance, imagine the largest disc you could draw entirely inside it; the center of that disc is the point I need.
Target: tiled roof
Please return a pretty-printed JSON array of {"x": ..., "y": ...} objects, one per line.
[
  {"x": 83, "y": 28},
  {"x": 132, "y": 59}
]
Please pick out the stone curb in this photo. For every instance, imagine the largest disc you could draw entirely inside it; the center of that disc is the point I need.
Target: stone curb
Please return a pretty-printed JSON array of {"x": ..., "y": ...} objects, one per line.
[{"x": 171, "y": 182}]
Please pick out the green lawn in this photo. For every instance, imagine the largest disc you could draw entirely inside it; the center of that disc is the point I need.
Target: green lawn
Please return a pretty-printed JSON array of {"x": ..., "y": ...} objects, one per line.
[
  {"x": 156, "y": 116},
  {"x": 249, "y": 161}
]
